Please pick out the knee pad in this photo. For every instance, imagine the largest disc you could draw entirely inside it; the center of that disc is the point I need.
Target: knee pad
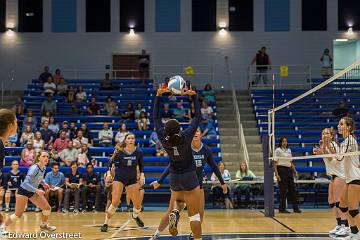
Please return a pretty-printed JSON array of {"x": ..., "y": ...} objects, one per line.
[
  {"x": 195, "y": 218},
  {"x": 353, "y": 213},
  {"x": 111, "y": 209},
  {"x": 46, "y": 212},
  {"x": 14, "y": 218},
  {"x": 343, "y": 209},
  {"x": 337, "y": 204},
  {"x": 331, "y": 205}
]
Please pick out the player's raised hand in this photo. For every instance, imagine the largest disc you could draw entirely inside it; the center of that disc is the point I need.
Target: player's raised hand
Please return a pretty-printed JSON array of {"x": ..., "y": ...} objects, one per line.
[{"x": 161, "y": 91}]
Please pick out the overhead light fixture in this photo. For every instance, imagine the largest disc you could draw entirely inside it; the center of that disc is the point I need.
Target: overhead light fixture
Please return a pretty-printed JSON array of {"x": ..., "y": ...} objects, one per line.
[
  {"x": 30, "y": 14},
  {"x": 341, "y": 40},
  {"x": 132, "y": 32},
  {"x": 350, "y": 30},
  {"x": 222, "y": 28}
]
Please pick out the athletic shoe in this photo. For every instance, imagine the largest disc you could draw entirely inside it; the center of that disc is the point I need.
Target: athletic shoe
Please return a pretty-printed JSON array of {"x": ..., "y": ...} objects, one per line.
[
  {"x": 173, "y": 222},
  {"x": 191, "y": 236},
  {"x": 47, "y": 227},
  {"x": 104, "y": 228},
  {"x": 343, "y": 232},
  {"x": 138, "y": 221},
  {"x": 154, "y": 237},
  {"x": 65, "y": 211},
  {"x": 353, "y": 236},
  {"x": 37, "y": 210},
  {"x": 297, "y": 211},
  {"x": 3, "y": 232},
  {"x": 284, "y": 211},
  {"x": 333, "y": 231},
  {"x": 7, "y": 209},
  {"x": 76, "y": 211}
]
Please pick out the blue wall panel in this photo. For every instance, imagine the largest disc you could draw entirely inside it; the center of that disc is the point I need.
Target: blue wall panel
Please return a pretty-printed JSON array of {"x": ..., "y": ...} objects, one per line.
[
  {"x": 63, "y": 15},
  {"x": 277, "y": 15},
  {"x": 167, "y": 14}
]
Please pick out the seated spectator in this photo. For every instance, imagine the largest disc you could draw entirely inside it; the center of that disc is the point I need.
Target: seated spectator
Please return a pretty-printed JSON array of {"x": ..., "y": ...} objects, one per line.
[
  {"x": 207, "y": 111},
  {"x": 28, "y": 155},
  {"x": 81, "y": 95},
  {"x": 110, "y": 107},
  {"x": 26, "y": 136},
  {"x": 71, "y": 95},
  {"x": 12, "y": 140},
  {"x": 65, "y": 127},
  {"x": 38, "y": 142},
  {"x": 73, "y": 182},
  {"x": 49, "y": 87},
  {"x": 143, "y": 121},
  {"x": 217, "y": 190},
  {"x": 84, "y": 156},
  {"x": 120, "y": 135},
  {"x": 69, "y": 154},
  {"x": 54, "y": 127},
  {"x": 180, "y": 113},
  {"x": 166, "y": 114},
  {"x": 138, "y": 110},
  {"x": 56, "y": 181},
  {"x": 80, "y": 140},
  {"x": 49, "y": 105},
  {"x": 46, "y": 117},
  {"x": 91, "y": 182},
  {"x": 19, "y": 107},
  {"x": 53, "y": 155},
  {"x": 105, "y": 136},
  {"x": 93, "y": 108},
  {"x": 44, "y": 76},
  {"x": 57, "y": 76},
  {"x": 207, "y": 128},
  {"x": 30, "y": 120},
  {"x": 86, "y": 133},
  {"x": 47, "y": 134},
  {"x": 73, "y": 130},
  {"x": 62, "y": 87},
  {"x": 208, "y": 94},
  {"x": 62, "y": 142},
  {"x": 129, "y": 114},
  {"x": 12, "y": 181},
  {"x": 242, "y": 188},
  {"x": 155, "y": 142},
  {"x": 106, "y": 84}
]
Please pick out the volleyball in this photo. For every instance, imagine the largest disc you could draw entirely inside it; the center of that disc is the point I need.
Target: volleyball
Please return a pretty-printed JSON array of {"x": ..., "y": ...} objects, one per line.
[{"x": 176, "y": 84}]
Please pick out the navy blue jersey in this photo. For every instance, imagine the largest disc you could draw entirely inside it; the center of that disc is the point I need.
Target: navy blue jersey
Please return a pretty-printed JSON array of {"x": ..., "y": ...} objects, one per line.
[
  {"x": 126, "y": 164},
  {"x": 181, "y": 158},
  {"x": 73, "y": 178},
  {"x": 2, "y": 154},
  {"x": 1, "y": 179},
  {"x": 13, "y": 180},
  {"x": 202, "y": 157}
]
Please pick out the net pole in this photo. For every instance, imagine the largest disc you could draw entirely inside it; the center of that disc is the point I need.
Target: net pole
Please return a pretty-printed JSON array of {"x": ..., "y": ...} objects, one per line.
[{"x": 268, "y": 180}]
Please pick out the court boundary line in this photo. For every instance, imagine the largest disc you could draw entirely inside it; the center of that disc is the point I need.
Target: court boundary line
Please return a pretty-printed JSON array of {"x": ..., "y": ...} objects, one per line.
[{"x": 281, "y": 223}]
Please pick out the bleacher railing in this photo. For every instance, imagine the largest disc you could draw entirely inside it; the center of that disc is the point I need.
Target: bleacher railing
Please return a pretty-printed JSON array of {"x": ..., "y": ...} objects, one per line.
[
  {"x": 202, "y": 75},
  {"x": 283, "y": 75},
  {"x": 7, "y": 85},
  {"x": 240, "y": 130}
]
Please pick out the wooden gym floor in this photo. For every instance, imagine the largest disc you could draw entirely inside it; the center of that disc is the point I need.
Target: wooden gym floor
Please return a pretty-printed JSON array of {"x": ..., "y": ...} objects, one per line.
[{"x": 218, "y": 224}]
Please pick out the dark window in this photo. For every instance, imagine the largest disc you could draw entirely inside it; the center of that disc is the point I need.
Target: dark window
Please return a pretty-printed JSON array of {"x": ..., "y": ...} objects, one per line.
[
  {"x": 204, "y": 15},
  {"x": 30, "y": 15},
  {"x": 314, "y": 17},
  {"x": 2, "y": 15},
  {"x": 132, "y": 15},
  {"x": 98, "y": 16},
  {"x": 241, "y": 15},
  {"x": 349, "y": 14}
]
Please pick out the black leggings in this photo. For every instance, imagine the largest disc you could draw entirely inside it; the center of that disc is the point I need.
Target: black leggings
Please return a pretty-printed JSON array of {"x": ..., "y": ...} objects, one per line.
[{"x": 287, "y": 188}]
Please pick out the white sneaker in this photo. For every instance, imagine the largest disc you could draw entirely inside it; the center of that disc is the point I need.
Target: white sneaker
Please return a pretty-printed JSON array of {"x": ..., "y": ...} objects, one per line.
[
  {"x": 333, "y": 231},
  {"x": 47, "y": 227},
  {"x": 343, "y": 232},
  {"x": 154, "y": 237},
  {"x": 3, "y": 232},
  {"x": 353, "y": 236}
]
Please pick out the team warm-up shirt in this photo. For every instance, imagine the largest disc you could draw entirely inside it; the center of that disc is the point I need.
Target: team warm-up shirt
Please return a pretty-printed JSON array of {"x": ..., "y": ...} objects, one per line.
[
  {"x": 181, "y": 158},
  {"x": 34, "y": 177},
  {"x": 126, "y": 163},
  {"x": 13, "y": 180},
  {"x": 202, "y": 157},
  {"x": 351, "y": 163},
  {"x": 333, "y": 166}
]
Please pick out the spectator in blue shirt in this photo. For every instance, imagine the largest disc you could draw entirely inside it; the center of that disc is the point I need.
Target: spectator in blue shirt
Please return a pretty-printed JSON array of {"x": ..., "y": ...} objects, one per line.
[
  {"x": 180, "y": 113},
  {"x": 56, "y": 181},
  {"x": 207, "y": 128},
  {"x": 12, "y": 140},
  {"x": 47, "y": 135}
]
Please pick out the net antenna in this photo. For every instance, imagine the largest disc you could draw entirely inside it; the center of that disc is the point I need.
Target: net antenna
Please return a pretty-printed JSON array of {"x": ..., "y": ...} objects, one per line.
[{"x": 272, "y": 112}]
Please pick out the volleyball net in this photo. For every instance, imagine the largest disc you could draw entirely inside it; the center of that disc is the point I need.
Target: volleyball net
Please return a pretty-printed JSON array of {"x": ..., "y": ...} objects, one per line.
[{"x": 300, "y": 115}]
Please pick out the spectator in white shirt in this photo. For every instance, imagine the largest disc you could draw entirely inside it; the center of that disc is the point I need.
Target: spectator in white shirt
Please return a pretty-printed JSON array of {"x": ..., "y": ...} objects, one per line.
[
  {"x": 105, "y": 136},
  {"x": 49, "y": 86},
  {"x": 62, "y": 87},
  {"x": 81, "y": 95},
  {"x": 69, "y": 154},
  {"x": 217, "y": 189},
  {"x": 120, "y": 135},
  {"x": 207, "y": 111},
  {"x": 80, "y": 140}
]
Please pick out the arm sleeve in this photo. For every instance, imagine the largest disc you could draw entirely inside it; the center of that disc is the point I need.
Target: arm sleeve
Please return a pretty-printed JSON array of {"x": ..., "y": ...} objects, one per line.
[
  {"x": 215, "y": 168},
  {"x": 27, "y": 182},
  {"x": 190, "y": 131},
  {"x": 163, "y": 175},
  {"x": 157, "y": 119},
  {"x": 251, "y": 174},
  {"x": 141, "y": 162}
]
